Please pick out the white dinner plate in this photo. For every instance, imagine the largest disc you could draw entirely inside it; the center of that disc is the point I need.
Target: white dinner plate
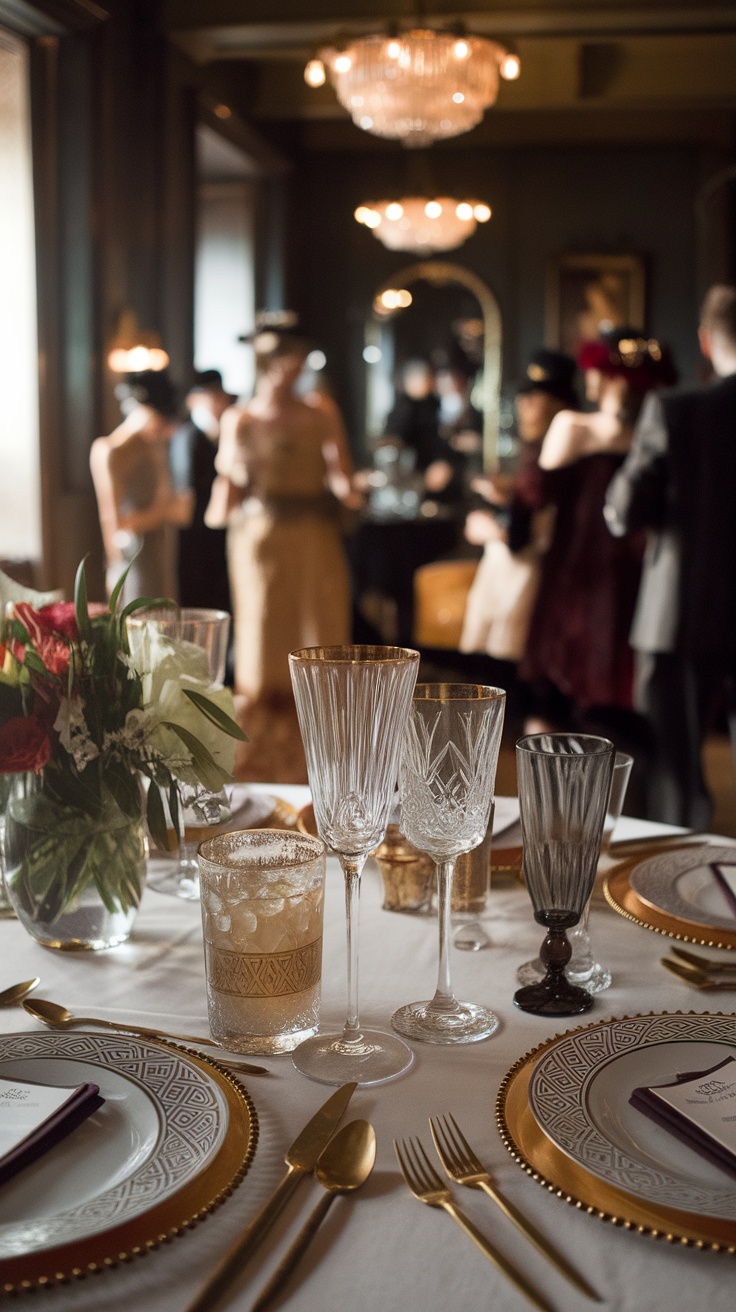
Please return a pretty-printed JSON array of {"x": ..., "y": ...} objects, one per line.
[
  {"x": 579, "y": 1094},
  {"x": 681, "y": 884},
  {"x": 163, "y": 1121}
]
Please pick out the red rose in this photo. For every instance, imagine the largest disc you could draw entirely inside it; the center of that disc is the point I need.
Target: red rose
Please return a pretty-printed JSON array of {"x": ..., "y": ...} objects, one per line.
[
  {"x": 59, "y": 619},
  {"x": 24, "y": 745}
]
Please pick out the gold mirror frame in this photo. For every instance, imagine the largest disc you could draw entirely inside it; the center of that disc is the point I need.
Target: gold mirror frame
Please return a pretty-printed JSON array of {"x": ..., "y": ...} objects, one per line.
[{"x": 440, "y": 273}]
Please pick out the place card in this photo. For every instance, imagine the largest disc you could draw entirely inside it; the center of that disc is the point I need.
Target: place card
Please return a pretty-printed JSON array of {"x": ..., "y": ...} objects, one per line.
[
  {"x": 699, "y": 1108},
  {"x": 34, "y": 1117}
]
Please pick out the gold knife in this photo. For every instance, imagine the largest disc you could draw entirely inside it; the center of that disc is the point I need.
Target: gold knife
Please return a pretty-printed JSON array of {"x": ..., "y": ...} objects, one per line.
[{"x": 301, "y": 1159}]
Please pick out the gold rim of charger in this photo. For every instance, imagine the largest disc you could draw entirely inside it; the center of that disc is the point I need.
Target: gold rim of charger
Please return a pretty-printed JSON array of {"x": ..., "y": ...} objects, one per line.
[
  {"x": 621, "y": 896},
  {"x": 540, "y": 1158},
  {"x": 191, "y": 1203}
]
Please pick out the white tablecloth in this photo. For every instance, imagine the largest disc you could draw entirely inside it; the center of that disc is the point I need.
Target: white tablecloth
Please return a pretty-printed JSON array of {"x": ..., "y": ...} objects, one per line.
[{"x": 383, "y": 1249}]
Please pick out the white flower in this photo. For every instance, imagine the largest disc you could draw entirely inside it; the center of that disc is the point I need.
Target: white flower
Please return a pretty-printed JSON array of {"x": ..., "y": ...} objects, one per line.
[
  {"x": 74, "y": 735},
  {"x": 168, "y": 669}
]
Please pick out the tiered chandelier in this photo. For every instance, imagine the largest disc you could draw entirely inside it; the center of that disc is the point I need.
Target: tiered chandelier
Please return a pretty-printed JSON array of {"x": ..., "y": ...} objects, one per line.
[
  {"x": 421, "y": 225},
  {"x": 417, "y": 87}
]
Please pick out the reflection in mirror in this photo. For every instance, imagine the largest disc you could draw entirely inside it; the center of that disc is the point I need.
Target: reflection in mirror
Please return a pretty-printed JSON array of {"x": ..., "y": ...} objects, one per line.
[{"x": 436, "y": 328}]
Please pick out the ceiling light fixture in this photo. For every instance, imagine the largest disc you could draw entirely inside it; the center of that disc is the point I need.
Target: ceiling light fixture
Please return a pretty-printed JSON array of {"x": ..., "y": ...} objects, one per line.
[
  {"x": 419, "y": 87},
  {"x": 421, "y": 225}
]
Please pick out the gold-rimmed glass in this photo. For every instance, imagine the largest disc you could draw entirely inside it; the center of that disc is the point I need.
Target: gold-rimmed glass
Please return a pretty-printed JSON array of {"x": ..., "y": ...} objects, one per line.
[
  {"x": 448, "y": 772},
  {"x": 352, "y": 703}
]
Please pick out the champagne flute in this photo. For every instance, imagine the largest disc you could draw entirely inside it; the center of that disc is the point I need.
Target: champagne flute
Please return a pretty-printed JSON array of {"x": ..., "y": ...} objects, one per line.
[
  {"x": 352, "y": 703},
  {"x": 448, "y": 772}
]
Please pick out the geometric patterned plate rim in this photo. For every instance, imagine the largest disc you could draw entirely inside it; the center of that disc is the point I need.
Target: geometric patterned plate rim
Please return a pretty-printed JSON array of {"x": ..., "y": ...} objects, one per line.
[
  {"x": 655, "y": 881},
  {"x": 215, "y": 1108},
  {"x": 579, "y": 1096},
  {"x": 557, "y": 1173},
  {"x": 622, "y": 897}
]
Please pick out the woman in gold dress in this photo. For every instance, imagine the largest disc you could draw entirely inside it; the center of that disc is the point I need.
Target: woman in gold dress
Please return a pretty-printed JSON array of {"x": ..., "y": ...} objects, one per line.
[{"x": 284, "y": 468}]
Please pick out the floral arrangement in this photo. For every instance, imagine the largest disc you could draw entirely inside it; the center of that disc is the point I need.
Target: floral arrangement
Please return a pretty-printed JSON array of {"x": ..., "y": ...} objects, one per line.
[{"x": 90, "y": 716}]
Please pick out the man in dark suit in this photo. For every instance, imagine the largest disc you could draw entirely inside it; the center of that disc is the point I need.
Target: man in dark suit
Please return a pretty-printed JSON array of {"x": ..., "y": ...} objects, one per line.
[
  {"x": 203, "y": 578},
  {"x": 679, "y": 481}
]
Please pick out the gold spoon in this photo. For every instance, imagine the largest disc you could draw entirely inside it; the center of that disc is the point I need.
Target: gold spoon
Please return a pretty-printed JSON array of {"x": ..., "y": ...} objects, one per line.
[
  {"x": 17, "y": 992},
  {"x": 60, "y": 1018},
  {"x": 344, "y": 1165}
]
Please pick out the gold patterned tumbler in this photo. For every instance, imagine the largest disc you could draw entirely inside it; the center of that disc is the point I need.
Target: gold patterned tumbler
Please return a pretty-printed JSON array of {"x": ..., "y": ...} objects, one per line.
[{"x": 262, "y": 899}]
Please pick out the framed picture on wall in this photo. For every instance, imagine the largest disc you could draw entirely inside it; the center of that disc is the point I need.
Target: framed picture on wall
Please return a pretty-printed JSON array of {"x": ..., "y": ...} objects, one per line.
[{"x": 587, "y": 292}]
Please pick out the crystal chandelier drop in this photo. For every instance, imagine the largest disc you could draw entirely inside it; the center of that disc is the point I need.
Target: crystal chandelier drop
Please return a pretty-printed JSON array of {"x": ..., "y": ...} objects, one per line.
[
  {"x": 418, "y": 87},
  {"x": 421, "y": 225}
]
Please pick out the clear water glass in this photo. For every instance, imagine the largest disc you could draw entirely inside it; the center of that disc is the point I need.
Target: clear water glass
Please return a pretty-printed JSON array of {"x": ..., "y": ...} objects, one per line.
[
  {"x": 262, "y": 913},
  {"x": 448, "y": 771},
  {"x": 583, "y": 969},
  {"x": 352, "y": 703},
  {"x": 564, "y": 786},
  {"x": 198, "y": 810}
]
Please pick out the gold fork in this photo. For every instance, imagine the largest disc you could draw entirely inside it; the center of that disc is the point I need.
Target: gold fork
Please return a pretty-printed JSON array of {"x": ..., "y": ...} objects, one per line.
[
  {"x": 697, "y": 979},
  {"x": 716, "y": 966},
  {"x": 464, "y": 1167},
  {"x": 426, "y": 1185}
]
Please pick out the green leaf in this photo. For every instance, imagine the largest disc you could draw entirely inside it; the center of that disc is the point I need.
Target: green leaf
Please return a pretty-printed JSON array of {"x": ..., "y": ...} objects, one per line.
[
  {"x": 146, "y": 603},
  {"x": 210, "y": 773},
  {"x": 156, "y": 817},
  {"x": 33, "y": 661},
  {"x": 215, "y": 714},
  {"x": 115, "y": 594},
  {"x": 177, "y": 818},
  {"x": 81, "y": 609}
]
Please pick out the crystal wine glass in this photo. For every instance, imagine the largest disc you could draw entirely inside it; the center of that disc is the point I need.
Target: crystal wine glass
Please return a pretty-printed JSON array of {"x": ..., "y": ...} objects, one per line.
[
  {"x": 582, "y": 967},
  {"x": 195, "y": 809},
  {"x": 352, "y": 703},
  {"x": 448, "y": 772},
  {"x": 564, "y": 785}
]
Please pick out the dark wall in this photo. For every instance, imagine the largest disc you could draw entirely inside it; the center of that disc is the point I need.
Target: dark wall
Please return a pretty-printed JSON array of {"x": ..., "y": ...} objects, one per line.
[
  {"x": 114, "y": 110},
  {"x": 545, "y": 201}
]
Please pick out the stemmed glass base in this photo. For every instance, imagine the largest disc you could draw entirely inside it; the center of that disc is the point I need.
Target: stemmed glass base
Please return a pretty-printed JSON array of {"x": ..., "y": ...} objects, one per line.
[
  {"x": 371, "y": 1058},
  {"x": 554, "y": 995},
  {"x": 581, "y": 969},
  {"x": 460, "y": 1022},
  {"x": 594, "y": 979},
  {"x": 173, "y": 877}
]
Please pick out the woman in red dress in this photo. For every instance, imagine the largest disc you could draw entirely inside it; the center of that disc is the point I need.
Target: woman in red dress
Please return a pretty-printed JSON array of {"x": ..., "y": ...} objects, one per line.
[{"x": 578, "y": 654}]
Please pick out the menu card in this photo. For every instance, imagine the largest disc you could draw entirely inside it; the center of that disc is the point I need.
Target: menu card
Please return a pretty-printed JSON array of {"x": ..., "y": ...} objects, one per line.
[
  {"x": 699, "y": 1108},
  {"x": 34, "y": 1117}
]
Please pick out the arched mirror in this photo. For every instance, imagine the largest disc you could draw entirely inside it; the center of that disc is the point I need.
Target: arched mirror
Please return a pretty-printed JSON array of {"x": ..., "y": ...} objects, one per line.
[{"x": 447, "y": 306}]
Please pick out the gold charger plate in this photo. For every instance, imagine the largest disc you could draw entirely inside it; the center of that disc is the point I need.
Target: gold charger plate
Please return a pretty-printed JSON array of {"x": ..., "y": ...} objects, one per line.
[
  {"x": 540, "y": 1158},
  {"x": 174, "y": 1214},
  {"x": 622, "y": 897}
]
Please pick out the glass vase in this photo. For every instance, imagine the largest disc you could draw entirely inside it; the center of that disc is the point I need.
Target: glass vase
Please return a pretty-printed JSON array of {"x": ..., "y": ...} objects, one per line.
[{"x": 74, "y": 876}]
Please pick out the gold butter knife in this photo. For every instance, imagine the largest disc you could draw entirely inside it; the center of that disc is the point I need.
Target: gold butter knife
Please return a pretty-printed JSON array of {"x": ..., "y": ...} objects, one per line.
[{"x": 301, "y": 1159}]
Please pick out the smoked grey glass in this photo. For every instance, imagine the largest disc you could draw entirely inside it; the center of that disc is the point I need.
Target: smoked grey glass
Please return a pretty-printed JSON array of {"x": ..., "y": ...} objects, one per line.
[
  {"x": 352, "y": 704},
  {"x": 582, "y": 967},
  {"x": 448, "y": 772},
  {"x": 564, "y": 785}
]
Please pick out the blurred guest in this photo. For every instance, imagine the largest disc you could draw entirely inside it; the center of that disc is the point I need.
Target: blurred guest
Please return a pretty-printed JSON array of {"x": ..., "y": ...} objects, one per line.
[
  {"x": 414, "y": 422},
  {"x": 202, "y": 566},
  {"x": 138, "y": 506},
  {"x": 460, "y": 423},
  {"x": 679, "y": 481},
  {"x": 505, "y": 586},
  {"x": 285, "y": 463},
  {"x": 577, "y": 652}
]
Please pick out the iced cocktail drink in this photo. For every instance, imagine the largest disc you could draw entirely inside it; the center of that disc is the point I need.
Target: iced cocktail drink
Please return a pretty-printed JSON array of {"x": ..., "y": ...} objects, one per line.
[{"x": 262, "y": 899}]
